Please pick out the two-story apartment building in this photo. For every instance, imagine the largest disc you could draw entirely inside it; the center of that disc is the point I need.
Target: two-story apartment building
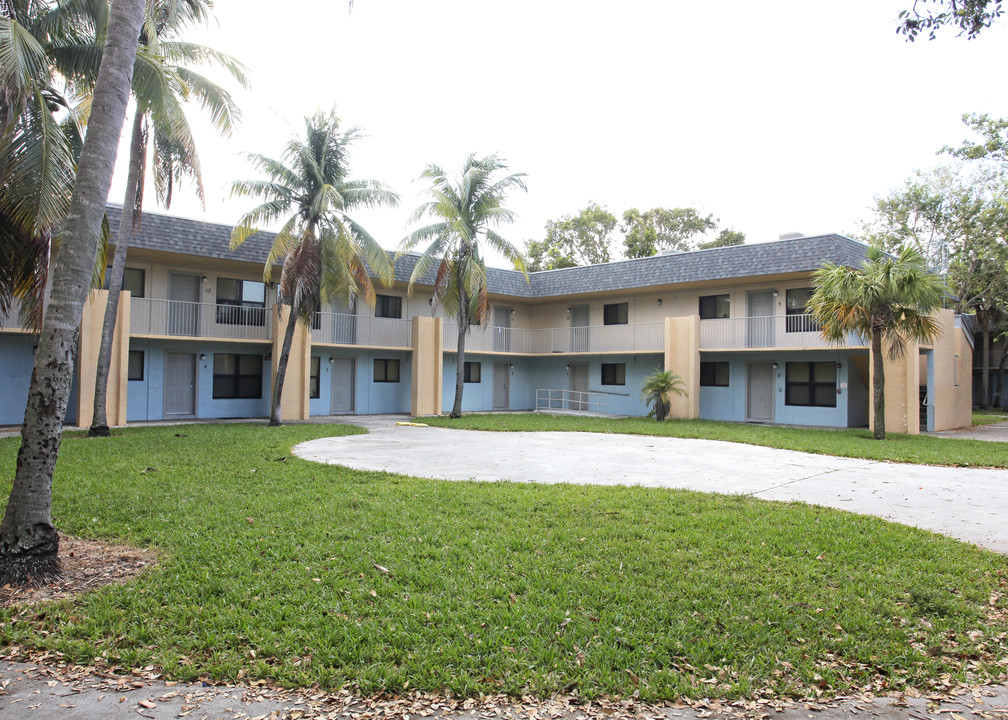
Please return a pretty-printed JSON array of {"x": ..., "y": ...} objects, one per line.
[{"x": 199, "y": 336}]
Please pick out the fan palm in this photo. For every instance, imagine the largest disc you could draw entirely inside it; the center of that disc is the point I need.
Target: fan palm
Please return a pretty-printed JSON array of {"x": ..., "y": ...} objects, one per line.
[
  {"x": 889, "y": 298},
  {"x": 464, "y": 210},
  {"x": 657, "y": 389},
  {"x": 165, "y": 83},
  {"x": 326, "y": 254}
]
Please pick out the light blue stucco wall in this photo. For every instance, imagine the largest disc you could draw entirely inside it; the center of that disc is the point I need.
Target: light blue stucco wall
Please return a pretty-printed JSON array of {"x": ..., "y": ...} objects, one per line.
[
  {"x": 530, "y": 374},
  {"x": 729, "y": 403},
  {"x": 376, "y": 398},
  {"x": 16, "y": 362},
  {"x": 145, "y": 398}
]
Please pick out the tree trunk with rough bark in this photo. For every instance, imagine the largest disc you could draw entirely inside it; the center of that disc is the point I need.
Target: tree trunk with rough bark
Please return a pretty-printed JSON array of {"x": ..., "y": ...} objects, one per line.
[
  {"x": 99, "y": 419},
  {"x": 29, "y": 544},
  {"x": 878, "y": 385},
  {"x": 463, "y": 328},
  {"x": 276, "y": 417}
]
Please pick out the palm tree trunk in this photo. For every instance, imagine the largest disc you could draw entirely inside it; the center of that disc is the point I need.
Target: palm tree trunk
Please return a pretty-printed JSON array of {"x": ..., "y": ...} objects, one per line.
[
  {"x": 29, "y": 544},
  {"x": 985, "y": 380},
  {"x": 278, "y": 383},
  {"x": 878, "y": 384},
  {"x": 99, "y": 418},
  {"x": 463, "y": 327}
]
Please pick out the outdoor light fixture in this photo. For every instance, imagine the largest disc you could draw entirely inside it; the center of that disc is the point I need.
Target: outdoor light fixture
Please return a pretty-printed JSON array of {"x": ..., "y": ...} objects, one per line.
[
  {"x": 202, "y": 356},
  {"x": 512, "y": 313},
  {"x": 331, "y": 360},
  {"x": 431, "y": 302},
  {"x": 659, "y": 302},
  {"x": 775, "y": 293},
  {"x": 268, "y": 356},
  {"x": 839, "y": 365},
  {"x": 567, "y": 368},
  {"x": 775, "y": 366},
  {"x": 205, "y": 278}
]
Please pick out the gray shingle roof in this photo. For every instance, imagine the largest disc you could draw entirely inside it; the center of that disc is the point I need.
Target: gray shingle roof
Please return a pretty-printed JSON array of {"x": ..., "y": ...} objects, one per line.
[{"x": 211, "y": 240}]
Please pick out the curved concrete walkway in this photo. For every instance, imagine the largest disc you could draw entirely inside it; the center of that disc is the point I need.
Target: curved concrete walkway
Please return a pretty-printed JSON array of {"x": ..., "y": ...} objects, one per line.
[{"x": 963, "y": 503}]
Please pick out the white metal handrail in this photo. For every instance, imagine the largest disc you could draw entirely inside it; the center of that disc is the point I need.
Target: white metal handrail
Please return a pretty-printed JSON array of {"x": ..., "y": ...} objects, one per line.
[
  {"x": 150, "y": 316},
  {"x": 572, "y": 400},
  {"x": 636, "y": 337},
  {"x": 769, "y": 331},
  {"x": 342, "y": 329}
]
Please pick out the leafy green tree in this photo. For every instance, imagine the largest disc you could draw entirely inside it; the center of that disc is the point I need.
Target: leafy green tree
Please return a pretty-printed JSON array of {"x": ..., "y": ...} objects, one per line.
[
  {"x": 725, "y": 238},
  {"x": 159, "y": 122},
  {"x": 662, "y": 229},
  {"x": 29, "y": 544},
  {"x": 657, "y": 389},
  {"x": 889, "y": 298},
  {"x": 993, "y": 143},
  {"x": 326, "y": 254},
  {"x": 465, "y": 211},
  {"x": 930, "y": 16},
  {"x": 582, "y": 239}
]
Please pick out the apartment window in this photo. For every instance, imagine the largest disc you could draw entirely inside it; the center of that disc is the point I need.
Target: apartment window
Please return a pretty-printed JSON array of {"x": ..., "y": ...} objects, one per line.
[
  {"x": 615, "y": 314},
  {"x": 714, "y": 374},
  {"x": 715, "y": 306},
  {"x": 614, "y": 373},
  {"x": 471, "y": 372},
  {"x": 386, "y": 371},
  {"x": 810, "y": 383},
  {"x": 797, "y": 311},
  {"x": 314, "y": 376},
  {"x": 133, "y": 280},
  {"x": 388, "y": 306},
  {"x": 135, "y": 369},
  {"x": 241, "y": 302},
  {"x": 237, "y": 376}
]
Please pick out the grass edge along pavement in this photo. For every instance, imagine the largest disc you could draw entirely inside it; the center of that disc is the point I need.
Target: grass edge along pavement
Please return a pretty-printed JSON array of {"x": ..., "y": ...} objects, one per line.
[
  {"x": 841, "y": 442},
  {"x": 277, "y": 569}
]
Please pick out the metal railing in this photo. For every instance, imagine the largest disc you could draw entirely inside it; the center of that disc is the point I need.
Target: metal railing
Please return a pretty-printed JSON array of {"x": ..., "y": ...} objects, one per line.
[
  {"x": 339, "y": 329},
  {"x": 177, "y": 318},
  {"x": 770, "y": 331},
  {"x": 572, "y": 400},
  {"x": 637, "y": 337}
]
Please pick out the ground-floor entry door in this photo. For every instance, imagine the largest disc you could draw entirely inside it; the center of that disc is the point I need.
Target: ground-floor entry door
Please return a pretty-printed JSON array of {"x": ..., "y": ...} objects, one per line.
[
  {"x": 501, "y": 386},
  {"x": 578, "y": 386},
  {"x": 760, "y": 392},
  {"x": 342, "y": 386},
  {"x": 180, "y": 385}
]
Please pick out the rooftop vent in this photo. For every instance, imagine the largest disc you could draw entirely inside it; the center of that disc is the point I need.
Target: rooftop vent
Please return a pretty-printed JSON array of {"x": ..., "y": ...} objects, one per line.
[
  {"x": 670, "y": 251},
  {"x": 791, "y": 236}
]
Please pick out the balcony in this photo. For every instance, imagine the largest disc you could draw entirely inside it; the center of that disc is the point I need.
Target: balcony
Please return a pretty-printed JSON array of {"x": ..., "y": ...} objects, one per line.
[
  {"x": 338, "y": 329},
  {"x": 771, "y": 331},
  {"x": 174, "y": 318},
  {"x": 638, "y": 337}
]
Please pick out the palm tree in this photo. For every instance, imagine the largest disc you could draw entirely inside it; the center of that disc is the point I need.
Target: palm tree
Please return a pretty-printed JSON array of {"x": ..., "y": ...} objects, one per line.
[
  {"x": 656, "y": 389},
  {"x": 464, "y": 211},
  {"x": 159, "y": 106},
  {"x": 326, "y": 254},
  {"x": 889, "y": 298},
  {"x": 29, "y": 544}
]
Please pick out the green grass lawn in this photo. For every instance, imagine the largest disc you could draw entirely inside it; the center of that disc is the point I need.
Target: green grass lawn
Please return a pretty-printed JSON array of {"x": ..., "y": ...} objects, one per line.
[
  {"x": 268, "y": 571},
  {"x": 989, "y": 416},
  {"x": 923, "y": 449}
]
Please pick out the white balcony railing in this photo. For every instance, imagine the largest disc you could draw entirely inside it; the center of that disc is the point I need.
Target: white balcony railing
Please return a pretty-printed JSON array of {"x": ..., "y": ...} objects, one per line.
[
  {"x": 337, "y": 329},
  {"x": 637, "y": 337},
  {"x": 770, "y": 331},
  {"x": 149, "y": 316}
]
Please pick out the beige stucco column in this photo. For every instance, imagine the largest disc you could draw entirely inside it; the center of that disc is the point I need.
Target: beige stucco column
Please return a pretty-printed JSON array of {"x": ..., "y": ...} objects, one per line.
[
  {"x": 902, "y": 388},
  {"x": 682, "y": 356},
  {"x": 428, "y": 359},
  {"x": 294, "y": 401},
  {"x": 87, "y": 359},
  {"x": 953, "y": 375}
]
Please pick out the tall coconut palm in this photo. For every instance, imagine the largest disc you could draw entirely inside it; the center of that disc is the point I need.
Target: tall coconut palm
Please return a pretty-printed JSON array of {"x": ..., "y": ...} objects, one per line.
[
  {"x": 326, "y": 254},
  {"x": 889, "y": 298},
  {"x": 29, "y": 544},
  {"x": 159, "y": 121},
  {"x": 465, "y": 209}
]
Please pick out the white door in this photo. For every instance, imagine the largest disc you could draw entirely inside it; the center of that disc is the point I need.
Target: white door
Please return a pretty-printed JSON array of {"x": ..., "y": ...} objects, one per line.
[
  {"x": 760, "y": 310},
  {"x": 578, "y": 386},
  {"x": 342, "y": 386},
  {"x": 501, "y": 386},
  {"x": 760, "y": 392},
  {"x": 183, "y": 317},
  {"x": 580, "y": 315},
  {"x": 180, "y": 385}
]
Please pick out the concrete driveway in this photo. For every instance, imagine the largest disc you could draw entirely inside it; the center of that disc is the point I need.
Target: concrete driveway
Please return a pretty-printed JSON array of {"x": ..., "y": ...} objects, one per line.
[{"x": 964, "y": 503}]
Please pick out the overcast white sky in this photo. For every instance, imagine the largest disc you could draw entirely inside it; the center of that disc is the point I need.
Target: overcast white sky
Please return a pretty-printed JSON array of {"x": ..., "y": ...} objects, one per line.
[{"x": 779, "y": 116}]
